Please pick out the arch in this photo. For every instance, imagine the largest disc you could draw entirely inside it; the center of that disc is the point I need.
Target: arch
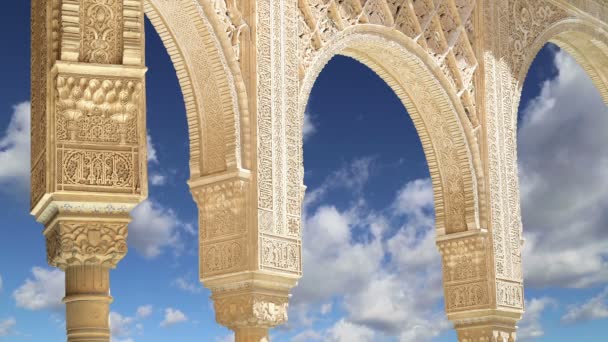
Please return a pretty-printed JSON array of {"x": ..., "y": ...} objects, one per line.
[
  {"x": 214, "y": 94},
  {"x": 438, "y": 115},
  {"x": 585, "y": 41}
]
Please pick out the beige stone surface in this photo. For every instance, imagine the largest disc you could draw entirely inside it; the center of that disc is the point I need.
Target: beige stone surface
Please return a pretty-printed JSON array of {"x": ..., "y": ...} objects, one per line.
[{"x": 246, "y": 69}]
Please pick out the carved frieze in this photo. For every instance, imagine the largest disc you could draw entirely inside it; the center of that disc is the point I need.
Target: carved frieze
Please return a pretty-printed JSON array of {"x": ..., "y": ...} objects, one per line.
[
  {"x": 223, "y": 257},
  {"x": 280, "y": 254},
  {"x": 509, "y": 294},
  {"x": 104, "y": 170},
  {"x": 72, "y": 243},
  {"x": 466, "y": 296}
]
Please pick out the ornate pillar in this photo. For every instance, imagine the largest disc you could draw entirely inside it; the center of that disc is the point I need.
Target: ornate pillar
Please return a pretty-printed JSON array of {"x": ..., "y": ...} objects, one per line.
[
  {"x": 88, "y": 145},
  {"x": 250, "y": 237},
  {"x": 482, "y": 307}
]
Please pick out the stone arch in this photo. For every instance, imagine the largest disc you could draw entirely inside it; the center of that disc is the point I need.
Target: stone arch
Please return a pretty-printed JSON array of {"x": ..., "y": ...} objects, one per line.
[
  {"x": 448, "y": 141},
  {"x": 585, "y": 41},
  {"x": 210, "y": 79}
]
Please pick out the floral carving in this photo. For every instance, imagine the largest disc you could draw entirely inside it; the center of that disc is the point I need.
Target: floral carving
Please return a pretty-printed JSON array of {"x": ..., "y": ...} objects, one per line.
[
  {"x": 101, "y": 23},
  {"x": 509, "y": 294},
  {"x": 79, "y": 243}
]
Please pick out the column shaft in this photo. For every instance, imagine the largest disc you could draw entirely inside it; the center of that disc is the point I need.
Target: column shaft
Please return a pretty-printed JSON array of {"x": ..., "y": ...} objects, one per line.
[
  {"x": 247, "y": 334},
  {"x": 87, "y": 299}
]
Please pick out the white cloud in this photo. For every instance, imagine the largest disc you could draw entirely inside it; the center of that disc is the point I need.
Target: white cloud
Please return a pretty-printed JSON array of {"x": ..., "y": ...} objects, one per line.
[
  {"x": 225, "y": 338},
  {"x": 6, "y": 326},
  {"x": 594, "y": 308},
  {"x": 530, "y": 326},
  {"x": 120, "y": 326},
  {"x": 344, "y": 331},
  {"x": 173, "y": 316},
  {"x": 157, "y": 179},
  {"x": 308, "y": 129},
  {"x": 44, "y": 291},
  {"x": 144, "y": 311},
  {"x": 387, "y": 281},
  {"x": 15, "y": 148},
  {"x": 153, "y": 228},
  {"x": 183, "y": 283},
  {"x": 152, "y": 158},
  {"x": 564, "y": 188}
]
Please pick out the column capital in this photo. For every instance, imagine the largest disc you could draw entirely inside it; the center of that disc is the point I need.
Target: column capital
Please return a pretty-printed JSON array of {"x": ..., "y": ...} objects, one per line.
[
  {"x": 251, "y": 300},
  {"x": 487, "y": 327}
]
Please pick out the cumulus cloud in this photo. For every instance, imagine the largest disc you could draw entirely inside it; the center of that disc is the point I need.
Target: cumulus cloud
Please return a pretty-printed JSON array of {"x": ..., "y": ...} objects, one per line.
[
  {"x": 44, "y": 291},
  {"x": 123, "y": 327},
  {"x": 7, "y": 325},
  {"x": 594, "y": 308},
  {"x": 152, "y": 158},
  {"x": 157, "y": 179},
  {"x": 564, "y": 189},
  {"x": 185, "y": 284},
  {"x": 530, "y": 326},
  {"x": 144, "y": 311},
  {"x": 173, "y": 316},
  {"x": 384, "y": 266},
  {"x": 153, "y": 229},
  {"x": 308, "y": 128},
  {"x": 15, "y": 148}
]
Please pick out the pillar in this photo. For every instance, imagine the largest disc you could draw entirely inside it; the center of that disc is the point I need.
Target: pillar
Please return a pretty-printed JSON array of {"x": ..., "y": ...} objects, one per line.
[
  {"x": 483, "y": 307},
  {"x": 88, "y": 147}
]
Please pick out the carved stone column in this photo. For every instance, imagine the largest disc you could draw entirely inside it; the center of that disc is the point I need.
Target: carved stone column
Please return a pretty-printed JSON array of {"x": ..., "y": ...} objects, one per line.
[
  {"x": 88, "y": 145},
  {"x": 250, "y": 236}
]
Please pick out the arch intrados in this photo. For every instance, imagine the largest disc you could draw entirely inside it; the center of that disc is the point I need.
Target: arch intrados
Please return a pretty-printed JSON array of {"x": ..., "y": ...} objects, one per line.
[
  {"x": 584, "y": 41},
  {"x": 370, "y": 45},
  {"x": 222, "y": 67}
]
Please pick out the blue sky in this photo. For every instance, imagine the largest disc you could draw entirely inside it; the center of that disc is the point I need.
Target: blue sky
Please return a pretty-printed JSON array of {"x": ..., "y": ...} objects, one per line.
[{"x": 368, "y": 235}]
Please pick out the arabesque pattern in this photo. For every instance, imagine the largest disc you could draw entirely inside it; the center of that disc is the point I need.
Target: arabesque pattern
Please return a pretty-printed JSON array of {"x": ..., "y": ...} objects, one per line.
[{"x": 246, "y": 68}]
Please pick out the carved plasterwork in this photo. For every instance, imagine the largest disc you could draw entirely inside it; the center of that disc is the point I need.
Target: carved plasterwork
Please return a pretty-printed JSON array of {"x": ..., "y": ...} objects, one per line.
[
  {"x": 72, "y": 243},
  {"x": 101, "y": 23},
  {"x": 97, "y": 110},
  {"x": 251, "y": 310},
  {"x": 444, "y": 29}
]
